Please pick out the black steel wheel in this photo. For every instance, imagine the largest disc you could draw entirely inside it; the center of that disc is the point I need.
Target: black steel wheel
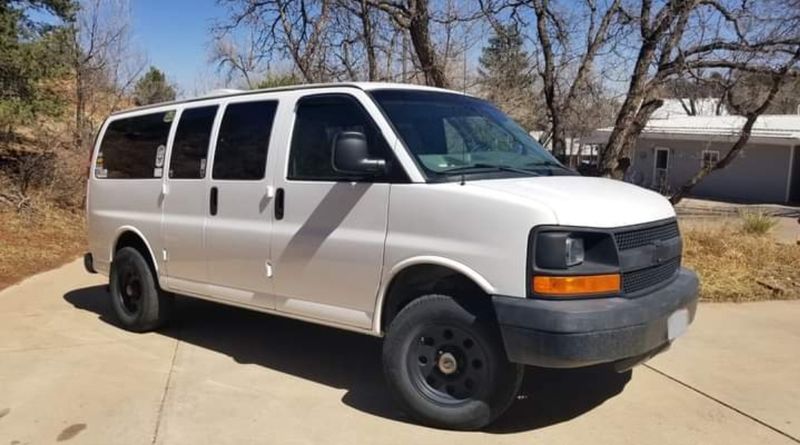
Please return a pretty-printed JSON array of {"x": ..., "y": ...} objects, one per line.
[
  {"x": 139, "y": 304},
  {"x": 130, "y": 285},
  {"x": 446, "y": 364}
]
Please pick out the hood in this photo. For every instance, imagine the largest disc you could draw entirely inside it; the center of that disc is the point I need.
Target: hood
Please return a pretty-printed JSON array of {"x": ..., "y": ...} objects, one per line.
[{"x": 585, "y": 201}]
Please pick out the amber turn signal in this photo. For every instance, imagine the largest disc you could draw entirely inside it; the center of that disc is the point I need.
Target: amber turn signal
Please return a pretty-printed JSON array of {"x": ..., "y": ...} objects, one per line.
[{"x": 576, "y": 285}]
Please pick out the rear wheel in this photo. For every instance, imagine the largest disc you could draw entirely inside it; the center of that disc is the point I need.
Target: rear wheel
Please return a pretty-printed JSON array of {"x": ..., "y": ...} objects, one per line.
[
  {"x": 139, "y": 304},
  {"x": 447, "y": 365}
]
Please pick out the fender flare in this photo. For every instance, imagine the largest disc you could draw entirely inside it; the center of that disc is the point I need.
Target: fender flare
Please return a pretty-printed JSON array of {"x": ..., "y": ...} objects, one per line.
[
  {"x": 399, "y": 267},
  {"x": 118, "y": 234}
]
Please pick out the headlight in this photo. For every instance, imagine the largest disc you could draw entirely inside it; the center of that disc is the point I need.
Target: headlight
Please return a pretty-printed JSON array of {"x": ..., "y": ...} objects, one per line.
[
  {"x": 574, "y": 251},
  {"x": 559, "y": 250},
  {"x": 573, "y": 262}
]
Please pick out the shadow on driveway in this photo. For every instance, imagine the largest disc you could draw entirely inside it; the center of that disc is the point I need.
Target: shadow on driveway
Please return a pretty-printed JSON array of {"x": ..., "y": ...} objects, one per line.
[{"x": 351, "y": 361}]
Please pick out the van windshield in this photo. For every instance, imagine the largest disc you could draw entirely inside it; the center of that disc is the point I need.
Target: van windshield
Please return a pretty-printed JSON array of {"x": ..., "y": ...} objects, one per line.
[{"x": 452, "y": 135}]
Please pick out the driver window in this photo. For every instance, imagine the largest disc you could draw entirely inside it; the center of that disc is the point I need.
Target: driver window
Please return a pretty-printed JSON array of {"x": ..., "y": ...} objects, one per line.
[{"x": 318, "y": 120}]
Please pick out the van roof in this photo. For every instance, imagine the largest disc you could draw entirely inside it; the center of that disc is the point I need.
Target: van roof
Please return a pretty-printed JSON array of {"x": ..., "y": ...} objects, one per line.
[{"x": 218, "y": 94}]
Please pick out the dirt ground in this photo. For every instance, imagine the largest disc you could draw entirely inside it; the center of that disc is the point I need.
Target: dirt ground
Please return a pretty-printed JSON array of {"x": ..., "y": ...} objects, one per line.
[{"x": 35, "y": 242}]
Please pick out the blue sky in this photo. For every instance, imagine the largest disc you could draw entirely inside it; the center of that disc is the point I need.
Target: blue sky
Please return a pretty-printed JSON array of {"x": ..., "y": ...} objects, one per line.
[{"x": 174, "y": 34}]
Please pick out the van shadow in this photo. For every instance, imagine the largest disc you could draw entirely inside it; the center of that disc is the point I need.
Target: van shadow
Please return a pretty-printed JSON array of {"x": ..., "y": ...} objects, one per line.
[{"x": 351, "y": 361}]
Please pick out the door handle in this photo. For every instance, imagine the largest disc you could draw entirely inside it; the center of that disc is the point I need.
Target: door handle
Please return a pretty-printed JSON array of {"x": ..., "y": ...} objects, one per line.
[
  {"x": 212, "y": 204},
  {"x": 279, "y": 198}
]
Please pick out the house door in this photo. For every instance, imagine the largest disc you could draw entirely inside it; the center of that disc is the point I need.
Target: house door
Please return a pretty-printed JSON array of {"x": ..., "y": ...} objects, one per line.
[{"x": 661, "y": 169}]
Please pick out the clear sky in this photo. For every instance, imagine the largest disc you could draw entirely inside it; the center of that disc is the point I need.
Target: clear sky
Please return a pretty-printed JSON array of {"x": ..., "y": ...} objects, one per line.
[{"x": 175, "y": 36}]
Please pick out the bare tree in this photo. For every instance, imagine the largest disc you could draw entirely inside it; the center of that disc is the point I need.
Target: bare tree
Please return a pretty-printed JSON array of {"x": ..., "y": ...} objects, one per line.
[
  {"x": 346, "y": 39},
  {"x": 103, "y": 59},
  {"x": 298, "y": 29},
  {"x": 685, "y": 36},
  {"x": 568, "y": 39},
  {"x": 240, "y": 59},
  {"x": 414, "y": 17}
]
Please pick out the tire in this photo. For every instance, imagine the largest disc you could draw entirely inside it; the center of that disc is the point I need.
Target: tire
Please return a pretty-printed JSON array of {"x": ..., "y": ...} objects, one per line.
[
  {"x": 446, "y": 364},
  {"x": 138, "y": 302}
]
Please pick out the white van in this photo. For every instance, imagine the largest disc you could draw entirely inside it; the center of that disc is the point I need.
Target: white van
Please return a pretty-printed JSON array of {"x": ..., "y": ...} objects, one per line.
[{"x": 421, "y": 215}]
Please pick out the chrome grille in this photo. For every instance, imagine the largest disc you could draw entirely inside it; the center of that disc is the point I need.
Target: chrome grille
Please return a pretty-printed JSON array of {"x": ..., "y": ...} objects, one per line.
[
  {"x": 644, "y": 278},
  {"x": 632, "y": 239}
]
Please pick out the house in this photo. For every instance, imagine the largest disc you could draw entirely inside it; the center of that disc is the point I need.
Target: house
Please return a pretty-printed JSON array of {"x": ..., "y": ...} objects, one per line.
[{"x": 671, "y": 151}]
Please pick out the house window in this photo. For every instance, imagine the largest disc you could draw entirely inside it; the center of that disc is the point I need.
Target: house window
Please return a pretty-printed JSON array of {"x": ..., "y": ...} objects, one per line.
[{"x": 709, "y": 159}]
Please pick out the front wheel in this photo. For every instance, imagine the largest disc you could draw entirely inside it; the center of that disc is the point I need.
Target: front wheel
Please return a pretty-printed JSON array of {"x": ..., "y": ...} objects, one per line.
[{"x": 447, "y": 365}]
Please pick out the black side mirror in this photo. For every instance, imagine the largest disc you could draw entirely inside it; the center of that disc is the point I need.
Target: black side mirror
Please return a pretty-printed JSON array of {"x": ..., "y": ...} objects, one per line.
[{"x": 351, "y": 155}]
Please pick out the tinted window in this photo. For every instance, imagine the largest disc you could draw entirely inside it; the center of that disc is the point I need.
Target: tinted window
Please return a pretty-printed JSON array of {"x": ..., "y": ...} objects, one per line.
[
  {"x": 452, "y": 134},
  {"x": 190, "y": 148},
  {"x": 134, "y": 147},
  {"x": 243, "y": 140},
  {"x": 319, "y": 119}
]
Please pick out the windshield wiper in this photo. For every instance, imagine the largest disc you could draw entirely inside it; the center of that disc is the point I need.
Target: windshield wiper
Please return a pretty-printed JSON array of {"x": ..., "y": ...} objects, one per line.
[
  {"x": 482, "y": 166},
  {"x": 546, "y": 164}
]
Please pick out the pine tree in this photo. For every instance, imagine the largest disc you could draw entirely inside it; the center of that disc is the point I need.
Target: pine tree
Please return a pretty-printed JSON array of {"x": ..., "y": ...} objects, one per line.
[
  {"x": 506, "y": 75},
  {"x": 152, "y": 88}
]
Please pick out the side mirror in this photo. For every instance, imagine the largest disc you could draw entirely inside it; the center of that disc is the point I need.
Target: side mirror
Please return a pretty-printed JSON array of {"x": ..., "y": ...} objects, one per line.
[{"x": 351, "y": 155}]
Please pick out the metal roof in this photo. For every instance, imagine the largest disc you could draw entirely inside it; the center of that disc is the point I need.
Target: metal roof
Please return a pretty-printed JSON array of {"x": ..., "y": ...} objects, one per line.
[{"x": 776, "y": 129}]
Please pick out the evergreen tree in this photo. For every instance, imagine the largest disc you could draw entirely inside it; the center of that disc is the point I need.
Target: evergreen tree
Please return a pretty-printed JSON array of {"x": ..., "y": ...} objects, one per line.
[
  {"x": 506, "y": 75},
  {"x": 31, "y": 52},
  {"x": 152, "y": 88},
  {"x": 504, "y": 62}
]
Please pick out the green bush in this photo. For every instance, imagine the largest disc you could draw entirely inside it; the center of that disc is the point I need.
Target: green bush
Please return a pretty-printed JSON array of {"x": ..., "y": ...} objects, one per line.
[{"x": 757, "y": 222}]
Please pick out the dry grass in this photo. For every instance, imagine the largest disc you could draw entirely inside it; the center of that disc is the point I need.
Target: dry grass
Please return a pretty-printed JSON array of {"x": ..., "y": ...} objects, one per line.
[
  {"x": 38, "y": 240},
  {"x": 738, "y": 266}
]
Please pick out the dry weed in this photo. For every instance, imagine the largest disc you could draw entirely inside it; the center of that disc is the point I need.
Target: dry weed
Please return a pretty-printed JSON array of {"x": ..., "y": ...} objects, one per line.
[
  {"x": 38, "y": 240},
  {"x": 737, "y": 266}
]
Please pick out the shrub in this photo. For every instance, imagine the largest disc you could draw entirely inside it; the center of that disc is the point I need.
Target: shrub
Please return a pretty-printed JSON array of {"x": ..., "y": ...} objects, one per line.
[{"x": 757, "y": 222}]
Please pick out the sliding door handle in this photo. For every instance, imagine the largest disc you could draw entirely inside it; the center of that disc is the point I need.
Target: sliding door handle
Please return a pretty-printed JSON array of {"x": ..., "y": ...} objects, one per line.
[
  {"x": 279, "y": 198},
  {"x": 212, "y": 204}
]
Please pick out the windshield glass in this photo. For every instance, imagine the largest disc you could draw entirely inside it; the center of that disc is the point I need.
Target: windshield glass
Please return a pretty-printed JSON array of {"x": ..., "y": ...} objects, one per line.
[{"x": 451, "y": 134}]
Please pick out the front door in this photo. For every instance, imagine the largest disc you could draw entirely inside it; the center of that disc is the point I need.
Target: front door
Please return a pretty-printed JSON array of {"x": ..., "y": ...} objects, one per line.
[
  {"x": 661, "y": 169},
  {"x": 329, "y": 230},
  {"x": 239, "y": 221}
]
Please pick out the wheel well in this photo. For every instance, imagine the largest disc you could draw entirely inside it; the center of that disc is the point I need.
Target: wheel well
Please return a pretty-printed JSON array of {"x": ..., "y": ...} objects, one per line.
[
  {"x": 424, "y": 279},
  {"x": 132, "y": 239}
]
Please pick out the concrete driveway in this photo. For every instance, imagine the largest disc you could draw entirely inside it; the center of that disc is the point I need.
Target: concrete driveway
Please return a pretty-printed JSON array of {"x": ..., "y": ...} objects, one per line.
[{"x": 222, "y": 375}]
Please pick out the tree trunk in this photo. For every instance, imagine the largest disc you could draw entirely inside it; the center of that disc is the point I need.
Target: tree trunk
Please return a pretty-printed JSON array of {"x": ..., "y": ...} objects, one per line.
[
  {"x": 369, "y": 42},
  {"x": 421, "y": 39},
  {"x": 620, "y": 137}
]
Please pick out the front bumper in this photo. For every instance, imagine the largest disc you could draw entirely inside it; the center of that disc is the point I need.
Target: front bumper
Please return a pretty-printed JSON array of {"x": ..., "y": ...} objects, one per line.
[{"x": 575, "y": 333}]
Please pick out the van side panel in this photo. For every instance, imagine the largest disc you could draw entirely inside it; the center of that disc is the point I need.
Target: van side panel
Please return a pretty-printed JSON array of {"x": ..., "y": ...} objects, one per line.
[
  {"x": 116, "y": 205},
  {"x": 430, "y": 222}
]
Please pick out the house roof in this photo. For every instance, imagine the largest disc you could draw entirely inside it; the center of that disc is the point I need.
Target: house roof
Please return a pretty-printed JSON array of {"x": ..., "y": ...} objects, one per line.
[
  {"x": 781, "y": 129},
  {"x": 708, "y": 106}
]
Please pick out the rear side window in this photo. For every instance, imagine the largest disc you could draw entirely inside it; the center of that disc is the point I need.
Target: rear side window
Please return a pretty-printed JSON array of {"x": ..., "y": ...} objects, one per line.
[
  {"x": 190, "y": 148},
  {"x": 319, "y": 119},
  {"x": 134, "y": 147},
  {"x": 241, "y": 152}
]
